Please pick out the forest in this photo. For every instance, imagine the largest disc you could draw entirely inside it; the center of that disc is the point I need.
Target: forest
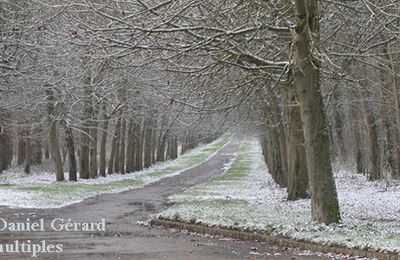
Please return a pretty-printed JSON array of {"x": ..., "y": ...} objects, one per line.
[{"x": 102, "y": 87}]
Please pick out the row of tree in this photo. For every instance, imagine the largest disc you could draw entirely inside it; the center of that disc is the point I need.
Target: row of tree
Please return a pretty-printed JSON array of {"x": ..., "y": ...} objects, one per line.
[
  {"x": 337, "y": 101},
  {"x": 91, "y": 111},
  {"x": 318, "y": 80}
]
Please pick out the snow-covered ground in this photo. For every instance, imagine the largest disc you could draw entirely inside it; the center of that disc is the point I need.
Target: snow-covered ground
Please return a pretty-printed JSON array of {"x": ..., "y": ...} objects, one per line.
[
  {"x": 40, "y": 190},
  {"x": 247, "y": 197}
]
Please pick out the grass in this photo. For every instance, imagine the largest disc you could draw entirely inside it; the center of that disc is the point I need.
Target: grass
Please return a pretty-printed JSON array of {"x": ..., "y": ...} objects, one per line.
[
  {"x": 79, "y": 188},
  {"x": 63, "y": 193},
  {"x": 244, "y": 199},
  {"x": 235, "y": 209},
  {"x": 239, "y": 168},
  {"x": 192, "y": 160},
  {"x": 6, "y": 185},
  {"x": 59, "y": 194}
]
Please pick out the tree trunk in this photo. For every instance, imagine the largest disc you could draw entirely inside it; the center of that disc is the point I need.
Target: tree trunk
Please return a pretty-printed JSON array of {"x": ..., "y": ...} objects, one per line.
[
  {"x": 394, "y": 90},
  {"x": 139, "y": 149},
  {"x": 296, "y": 152},
  {"x": 117, "y": 146},
  {"x": 122, "y": 148},
  {"x": 2, "y": 153},
  {"x": 113, "y": 165},
  {"x": 53, "y": 139},
  {"x": 269, "y": 154},
  {"x": 153, "y": 146},
  {"x": 276, "y": 120},
  {"x": 169, "y": 148},
  {"x": 276, "y": 157},
  {"x": 37, "y": 152},
  {"x": 93, "y": 152},
  {"x": 357, "y": 146},
  {"x": 174, "y": 147},
  {"x": 183, "y": 143},
  {"x": 135, "y": 143},
  {"x": 374, "y": 171},
  {"x": 28, "y": 155},
  {"x": 324, "y": 202},
  {"x": 6, "y": 149},
  {"x": 55, "y": 152},
  {"x": 114, "y": 147},
  {"x": 336, "y": 126},
  {"x": 283, "y": 154},
  {"x": 103, "y": 144},
  {"x": 147, "y": 146},
  {"x": 84, "y": 154},
  {"x": 130, "y": 159},
  {"x": 21, "y": 147},
  {"x": 69, "y": 139},
  {"x": 46, "y": 151},
  {"x": 117, "y": 157},
  {"x": 161, "y": 148}
]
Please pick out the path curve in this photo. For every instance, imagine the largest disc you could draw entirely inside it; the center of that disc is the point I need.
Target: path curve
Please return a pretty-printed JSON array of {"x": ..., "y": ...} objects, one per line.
[{"x": 124, "y": 238}]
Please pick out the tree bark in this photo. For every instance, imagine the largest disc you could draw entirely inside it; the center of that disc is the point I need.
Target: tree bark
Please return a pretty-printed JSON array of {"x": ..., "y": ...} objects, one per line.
[
  {"x": 84, "y": 154},
  {"x": 269, "y": 154},
  {"x": 276, "y": 162},
  {"x": 174, "y": 147},
  {"x": 169, "y": 148},
  {"x": 93, "y": 152},
  {"x": 374, "y": 170},
  {"x": 161, "y": 147},
  {"x": 130, "y": 159},
  {"x": 394, "y": 90},
  {"x": 283, "y": 154},
  {"x": 117, "y": 145},
  {"x": 6, "y": 149},
  {"x": 103, "y": 144},
  {"x": 69, "y": 139},
  {"x": 122, "y": 148},
  {"x": 357, "y": 146},
  {"x": 53, "y": 139},
  {"x": 113, "y": 148},
  {"x": 139, "y": 149},
  {"x": 183, "y": 143},
  {"x": 296, "y": 152},
  {"x": 147, "y": 146},
  {"x": 84, "y": 158},
  {"x": 324, "y": 202},
  {"x": 46, "y": 151},
  {"x": 37, "y": 153},
  {"x": 153, "y": 146},
  {"x": 28, "y": 155},
  {"x": 21, "y": 147}
]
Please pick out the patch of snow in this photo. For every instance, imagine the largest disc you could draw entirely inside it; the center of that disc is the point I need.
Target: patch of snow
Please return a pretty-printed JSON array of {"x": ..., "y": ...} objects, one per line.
[
  {"x": 10, "y": 197},
  {"x": 370, "y": 210},
  {"x": 14, "y": 197}
]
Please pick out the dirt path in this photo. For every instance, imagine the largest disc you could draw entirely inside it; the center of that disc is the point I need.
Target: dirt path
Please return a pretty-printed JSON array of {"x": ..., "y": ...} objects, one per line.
[{"x": 124, "y": 238}]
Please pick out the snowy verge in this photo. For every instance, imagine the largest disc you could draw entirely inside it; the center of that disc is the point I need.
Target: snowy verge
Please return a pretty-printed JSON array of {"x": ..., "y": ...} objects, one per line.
[
  {"x": 246, "y": 197},
  {"x": 39, "y": 190}
]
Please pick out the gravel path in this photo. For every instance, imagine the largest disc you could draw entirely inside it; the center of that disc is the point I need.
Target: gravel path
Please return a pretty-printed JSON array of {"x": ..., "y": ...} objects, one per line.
[{"x": 124, "y": 238}]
